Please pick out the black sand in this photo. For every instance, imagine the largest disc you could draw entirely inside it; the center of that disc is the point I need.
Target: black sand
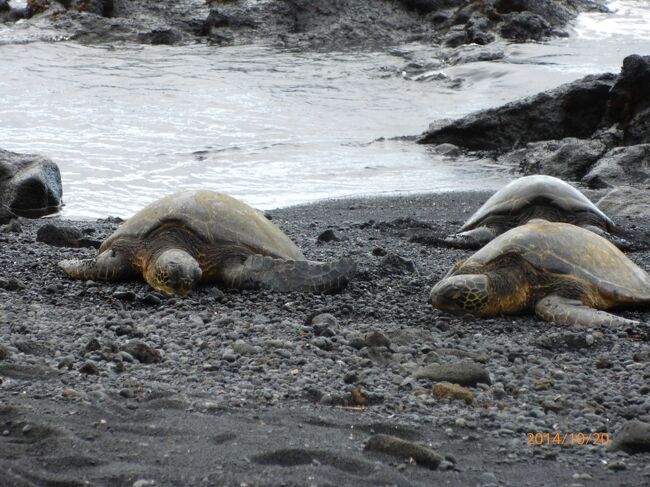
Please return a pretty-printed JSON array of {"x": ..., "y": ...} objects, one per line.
[{"x": 109, "y": 384}]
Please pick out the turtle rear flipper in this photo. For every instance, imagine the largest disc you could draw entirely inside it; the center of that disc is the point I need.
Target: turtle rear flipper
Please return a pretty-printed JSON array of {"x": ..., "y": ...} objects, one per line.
[
  {"x": 471, "y": 239},
  {"x": 107, "y": 266},
  {"x": 258, "y": 271},
  {"x": 572, "y": 312}
]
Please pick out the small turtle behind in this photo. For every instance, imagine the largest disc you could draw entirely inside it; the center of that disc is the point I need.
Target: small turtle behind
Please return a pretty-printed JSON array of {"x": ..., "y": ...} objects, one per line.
[
  {"x": 193, "y": 237},
  {"x": 562, "y": 272},
  {"x": 532, "y": 197}
]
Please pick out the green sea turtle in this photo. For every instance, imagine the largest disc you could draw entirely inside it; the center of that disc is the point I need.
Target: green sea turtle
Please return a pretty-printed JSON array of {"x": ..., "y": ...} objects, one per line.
[
  {"x": 563, "y": 272},
  {"x": 194, "y": 237},
  {"x": 527, "y": 198}
]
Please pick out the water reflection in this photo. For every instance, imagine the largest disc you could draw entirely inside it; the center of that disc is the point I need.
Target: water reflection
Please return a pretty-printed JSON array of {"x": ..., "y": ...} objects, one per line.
[{"x": 128, "y": 124}]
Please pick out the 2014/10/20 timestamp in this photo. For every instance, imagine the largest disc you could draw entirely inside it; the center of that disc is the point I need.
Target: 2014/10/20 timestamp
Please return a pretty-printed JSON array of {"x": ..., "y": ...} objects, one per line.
[{"x": 579, "y": 438}]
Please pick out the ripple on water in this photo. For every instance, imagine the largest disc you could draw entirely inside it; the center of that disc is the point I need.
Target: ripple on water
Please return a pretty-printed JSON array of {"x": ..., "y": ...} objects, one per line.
[{"x": 127, "y": 124}]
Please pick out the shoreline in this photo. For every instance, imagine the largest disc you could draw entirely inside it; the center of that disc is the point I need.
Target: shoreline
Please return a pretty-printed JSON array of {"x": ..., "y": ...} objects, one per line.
[{"x": 110, "y": 384}]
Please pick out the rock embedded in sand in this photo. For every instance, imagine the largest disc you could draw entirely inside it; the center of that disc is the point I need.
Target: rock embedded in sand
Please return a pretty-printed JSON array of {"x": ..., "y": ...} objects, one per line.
[
  {"x": 142, "y": 352},
  {"x": 58, "y": 235},
  {"x": 89, "y": 368},
  {"x": 328, "y": 235},
  {"x": 625, "y": 201},
  {"x": 462, "y": 373},
  {"x": 452, "y": 391},
  {"x": 396, "y": 264},
  {"x": 30, "y": 185},
  {"x": 404, "y": 449},
  {"x": 633, "y": 437}
]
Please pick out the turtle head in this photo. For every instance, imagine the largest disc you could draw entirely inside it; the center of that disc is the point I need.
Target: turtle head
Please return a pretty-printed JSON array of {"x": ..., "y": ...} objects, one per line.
[
  {"x": 174, "y": 271},
  {"x": 462, "y": 293}
]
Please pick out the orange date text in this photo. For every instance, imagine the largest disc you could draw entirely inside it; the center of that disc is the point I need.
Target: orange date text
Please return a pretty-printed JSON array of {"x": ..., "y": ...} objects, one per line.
[{"x": 573, "y": 438}]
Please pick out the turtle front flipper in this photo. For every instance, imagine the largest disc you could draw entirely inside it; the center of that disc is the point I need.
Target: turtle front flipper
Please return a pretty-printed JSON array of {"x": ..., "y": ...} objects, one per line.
[
  {"x": 107, "y": 266},
  {"x": 471, "y": 239},
  {"x": 572, "y": 312},
  {"x": 259, "y": 271}
]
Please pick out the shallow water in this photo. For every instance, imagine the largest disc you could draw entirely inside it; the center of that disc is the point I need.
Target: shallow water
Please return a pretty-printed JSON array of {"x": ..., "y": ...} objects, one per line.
[{"x": 128, "y": 124}]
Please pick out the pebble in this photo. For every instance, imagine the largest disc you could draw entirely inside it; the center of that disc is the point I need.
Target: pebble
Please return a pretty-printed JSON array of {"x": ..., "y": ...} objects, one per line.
[
  {"x": 396, "y": 264},
  {"x": 633, "y": 437},
  {"x": 462, "y": 373},
  {"x": 124, "y": 295},
  {"x": 144, "y": 483},
  {"x": 452, "y": 391},
  {"x": 151, "y": 299},
  {"x": 397, "y": 447},
  {"x": 142, "y": 352},
  {"x": 5, "y": 353},
  {"x": 376, "y": 339},
  {"x": 243, "y": 348},
  {"x": 328, "y": 235},
  {"x": 58, "y": 236},
  {"x": 89, "y": 368}
]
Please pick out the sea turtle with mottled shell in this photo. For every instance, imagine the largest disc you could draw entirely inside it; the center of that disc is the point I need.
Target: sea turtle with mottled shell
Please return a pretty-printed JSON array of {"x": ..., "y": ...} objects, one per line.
[
  {"x": 562, "y": 272},
  {"x": 193, "y": 237},
  {"x": 530, "y": 197}
]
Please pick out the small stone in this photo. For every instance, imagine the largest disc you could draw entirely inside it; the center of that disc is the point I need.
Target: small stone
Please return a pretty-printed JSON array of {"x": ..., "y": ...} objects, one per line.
[
  {"x": 542, "y": 384},
  {"x": 26, "y": 429},
  {"x": 92, "y": 345},
  {"x": 603, "y": 362},
  {"x": 452, "y": 391},
  {"x": 328, "y": 236},
  {"x": 124, "y": 295},
  {"x": 633, "y": 437},
  {"x": 359, "y": 397},
  {"x": 144, "y": 483},
  {"x": 376, "y": 339},
  {"x": 396, "y": 264},
  {"x": 13, "y": 226},
  {"x": 324, "y": 320},
  {"x": 243, "y": 348},
  {"x": 151, "y": 299},
  {"x": 379, "y": 252},
  {"x": 399, "y": 448},
  {"x": 66, "y": 362},
  {"x": 89, "y": 368},
  {"x": 5, "y": 353},
  {"x": 12, "y": 284},
  {"x": 616, "y": 466},
  {"x": 462, "y": 373},
  {"x": 350, "y": 377},
  {"x": 142, "y": 352},
  {"x": 58, "y": 236},
  {"x": 589, "y": 340}
]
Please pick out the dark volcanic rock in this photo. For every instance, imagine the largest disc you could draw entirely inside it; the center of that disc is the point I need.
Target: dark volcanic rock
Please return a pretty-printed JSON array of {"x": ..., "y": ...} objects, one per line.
[
  {"x": 526, "y": 25},
  {"x": 314, "y": 24},
  {"x": 397, "y": 447},
  {"x": 30, "y": 185},
  {"x": 595, "y": 130},
  {"x": 571, "y": 110},
  {"x": 142, "y": 352},
  {"x": 462, "y": 373},
  {"x": 58, "y": 236},
  {"x": 629, "y": 100},
  {"x": 626, "y": 201},
  {"x": 634, "y": 437},
  {"x": 628, "y": 165},
  {"x": 568, "y": 158}
]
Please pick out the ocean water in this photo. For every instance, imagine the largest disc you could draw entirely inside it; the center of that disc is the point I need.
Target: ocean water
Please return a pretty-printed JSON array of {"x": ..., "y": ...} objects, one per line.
[{"x": 128, "y": 124}]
